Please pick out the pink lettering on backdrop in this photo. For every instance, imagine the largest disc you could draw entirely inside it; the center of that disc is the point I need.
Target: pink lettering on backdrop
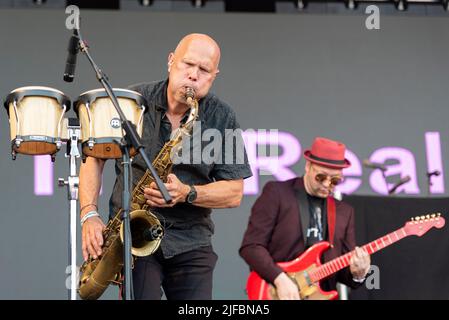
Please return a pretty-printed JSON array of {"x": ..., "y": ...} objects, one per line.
[
  {"x": 273, "y": 164},
  {"x": 406, "y": 166},
  {"x": 290, "y": 153},
  {"x": 43, "y": 176}
]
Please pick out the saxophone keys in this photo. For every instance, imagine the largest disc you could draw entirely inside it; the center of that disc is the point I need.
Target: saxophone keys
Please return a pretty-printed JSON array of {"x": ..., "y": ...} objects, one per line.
[
  {"x": 135, "y": 206},
  {"x": 141, "y": 199}
]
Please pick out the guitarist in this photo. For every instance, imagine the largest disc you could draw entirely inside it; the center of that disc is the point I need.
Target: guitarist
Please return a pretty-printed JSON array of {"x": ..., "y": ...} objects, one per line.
[{"x": 290, "y": 216}]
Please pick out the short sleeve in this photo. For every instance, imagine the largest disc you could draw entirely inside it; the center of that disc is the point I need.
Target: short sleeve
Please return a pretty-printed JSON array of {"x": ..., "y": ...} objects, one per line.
[{"x": 234, "y": 160}]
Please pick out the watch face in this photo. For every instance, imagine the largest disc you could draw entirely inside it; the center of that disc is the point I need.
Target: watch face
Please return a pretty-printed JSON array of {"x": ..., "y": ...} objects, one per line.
[{"x": 192, "y": 196}]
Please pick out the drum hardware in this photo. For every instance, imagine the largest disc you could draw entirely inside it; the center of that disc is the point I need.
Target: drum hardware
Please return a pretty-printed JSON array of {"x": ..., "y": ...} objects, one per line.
[{"x": 72, "y": 183}]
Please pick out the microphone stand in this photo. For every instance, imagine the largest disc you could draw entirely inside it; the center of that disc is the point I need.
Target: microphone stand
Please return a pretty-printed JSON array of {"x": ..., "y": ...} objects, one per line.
[
  {"x": 131, "y": 140},
  {"x": 72, "y": 183},
  {"x": 398, "y": 184},
  {"x": 429, "y": 180},
  {"x": 385, "y": 178},
  {"x": 429, "y": 183},
  {"x": 393, "y": 190}
]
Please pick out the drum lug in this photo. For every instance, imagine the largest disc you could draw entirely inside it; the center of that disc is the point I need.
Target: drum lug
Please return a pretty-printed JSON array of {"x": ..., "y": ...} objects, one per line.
[
  {"x": 58, "y": 144},
  {"x": 13, "y": 155},
  {"x": 53, "y": 157},
  {"x": 90, "y": 144},
  {"x": 18, "y": 142}
]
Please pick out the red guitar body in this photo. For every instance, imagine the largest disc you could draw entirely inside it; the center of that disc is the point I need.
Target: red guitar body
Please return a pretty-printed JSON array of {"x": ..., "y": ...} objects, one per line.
[{"x": 259, "y": 289}]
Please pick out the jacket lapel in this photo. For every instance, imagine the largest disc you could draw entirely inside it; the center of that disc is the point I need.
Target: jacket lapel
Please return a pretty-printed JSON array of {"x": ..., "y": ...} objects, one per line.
[{"x": 303, "y": 207}]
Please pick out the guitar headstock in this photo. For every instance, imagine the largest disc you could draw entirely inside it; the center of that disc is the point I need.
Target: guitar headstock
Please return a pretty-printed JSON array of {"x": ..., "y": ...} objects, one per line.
[{"x": 421, "y": 224}]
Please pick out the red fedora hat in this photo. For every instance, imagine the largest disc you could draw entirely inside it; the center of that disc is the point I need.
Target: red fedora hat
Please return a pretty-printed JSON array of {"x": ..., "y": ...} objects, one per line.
[{"x": 327, "y": 153}]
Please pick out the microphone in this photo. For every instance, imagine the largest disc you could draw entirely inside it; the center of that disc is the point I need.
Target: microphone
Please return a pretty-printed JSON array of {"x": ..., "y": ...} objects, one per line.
[
  {"x": 433, "y": 173},
  {"x": 73, "y": 48},
  {"x": 399, "y": 183},
  {"x": 153, "y": 233},
  {"x": 374, "y": 165}
]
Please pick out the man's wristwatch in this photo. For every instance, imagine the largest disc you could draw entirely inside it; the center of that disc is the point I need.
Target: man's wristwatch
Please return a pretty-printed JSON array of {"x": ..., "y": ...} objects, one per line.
[{"x": 191, "y": 196}]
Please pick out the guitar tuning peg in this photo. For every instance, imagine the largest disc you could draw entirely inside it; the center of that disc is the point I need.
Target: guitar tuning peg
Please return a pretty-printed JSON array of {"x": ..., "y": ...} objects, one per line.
[
  {"x": 423, "y": 217},
  {"x": 438, "y": 214},
  {"x": 413, "y": 219},
  {"x": 428, "y": 217},
  {"x": 417, "y": 218},
  {"x": 433, "y": 215}
]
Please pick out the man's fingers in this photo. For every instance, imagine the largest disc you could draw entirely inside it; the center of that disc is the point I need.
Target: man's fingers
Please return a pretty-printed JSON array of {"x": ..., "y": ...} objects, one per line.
[
  {"x": 171, "y": 187},
  {"x": 94, "y": 243},
  {"x": 153, "y": 185},
  {"x": 171, "y": 178},
  {"x": 90, "y": 248},
  {"x": 153, "y": 203},
  {"x": 159, "y": 203},
  {"x": 152, "y": 193},
  {"x": 99, "y": 236},
  {"x": 84, "y": 246},
  {"x": 360, "y": 253}
]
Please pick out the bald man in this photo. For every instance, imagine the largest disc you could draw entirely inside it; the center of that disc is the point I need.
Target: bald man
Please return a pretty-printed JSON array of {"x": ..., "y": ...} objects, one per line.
[{"x": 184, "y": 263}]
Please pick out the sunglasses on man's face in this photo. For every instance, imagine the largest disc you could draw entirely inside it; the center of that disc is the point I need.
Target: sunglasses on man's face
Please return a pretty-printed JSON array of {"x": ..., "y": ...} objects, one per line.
[{"x": 321, "y": 177}]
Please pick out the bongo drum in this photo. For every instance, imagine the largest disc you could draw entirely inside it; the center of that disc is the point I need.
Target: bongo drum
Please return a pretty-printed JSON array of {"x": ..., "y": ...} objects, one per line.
[
  {"x": 101, "y": 128},
  {"x": 35, "y": 116}
]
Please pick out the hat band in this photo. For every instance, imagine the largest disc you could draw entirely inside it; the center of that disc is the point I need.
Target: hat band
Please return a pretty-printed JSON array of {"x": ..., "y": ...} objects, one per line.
[{"x": 327, "y": 160}]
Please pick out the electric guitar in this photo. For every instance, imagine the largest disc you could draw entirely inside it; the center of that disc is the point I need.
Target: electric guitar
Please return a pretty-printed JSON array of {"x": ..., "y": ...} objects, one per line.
[{"x": 306, "y": 270}]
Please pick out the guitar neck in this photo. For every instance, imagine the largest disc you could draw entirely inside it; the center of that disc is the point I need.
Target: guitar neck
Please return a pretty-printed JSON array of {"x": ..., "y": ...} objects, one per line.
[{"x": 343, "y": 261}]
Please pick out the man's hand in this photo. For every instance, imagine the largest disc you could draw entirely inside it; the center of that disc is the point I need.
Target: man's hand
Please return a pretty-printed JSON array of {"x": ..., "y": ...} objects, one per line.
[
  {"x": 286, "y": 288},
  {"x": 360, "y": 263},
  {"x": 92, "y": 233},
  {"x": 177, "y": 190}
]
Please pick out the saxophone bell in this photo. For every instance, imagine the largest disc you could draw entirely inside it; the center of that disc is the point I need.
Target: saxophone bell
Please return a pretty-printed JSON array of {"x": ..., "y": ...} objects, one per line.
[{"x": 146, "y": 232}]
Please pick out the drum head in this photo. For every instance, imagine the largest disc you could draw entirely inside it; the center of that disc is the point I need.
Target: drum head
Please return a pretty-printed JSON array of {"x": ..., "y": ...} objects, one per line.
[
  {"x": 19, "y": 93},
  {"x": 92, "y": 95}
]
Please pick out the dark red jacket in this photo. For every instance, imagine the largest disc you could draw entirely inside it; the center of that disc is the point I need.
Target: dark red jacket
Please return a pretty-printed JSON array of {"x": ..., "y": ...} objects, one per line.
[{"x": 274, "y": 233}]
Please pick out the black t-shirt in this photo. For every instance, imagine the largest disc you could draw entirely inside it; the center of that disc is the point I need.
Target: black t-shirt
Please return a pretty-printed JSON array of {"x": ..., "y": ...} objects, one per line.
[
  {"x": 187, "y": 226},
  {"x": 317, "y": 211}
]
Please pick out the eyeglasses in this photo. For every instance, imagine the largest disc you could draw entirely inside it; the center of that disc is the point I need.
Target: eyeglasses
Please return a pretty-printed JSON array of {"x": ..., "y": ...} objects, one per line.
[{"x": 335, "y": 180}]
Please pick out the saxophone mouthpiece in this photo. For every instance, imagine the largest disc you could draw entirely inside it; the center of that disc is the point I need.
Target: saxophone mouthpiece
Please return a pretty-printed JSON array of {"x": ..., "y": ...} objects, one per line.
[{"x": 190, "y": 93}]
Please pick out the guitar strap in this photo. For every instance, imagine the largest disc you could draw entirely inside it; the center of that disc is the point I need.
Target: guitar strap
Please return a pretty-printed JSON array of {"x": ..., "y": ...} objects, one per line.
[{"x": 331, "y": 217}]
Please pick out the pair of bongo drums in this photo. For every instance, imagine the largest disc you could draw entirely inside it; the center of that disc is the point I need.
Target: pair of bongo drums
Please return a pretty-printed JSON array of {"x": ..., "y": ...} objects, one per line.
[{"x": 38, "y": 126}]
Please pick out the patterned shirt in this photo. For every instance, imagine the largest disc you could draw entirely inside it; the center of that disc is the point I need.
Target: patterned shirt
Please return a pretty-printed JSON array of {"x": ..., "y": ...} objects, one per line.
[{"x": 187, "y": 226}]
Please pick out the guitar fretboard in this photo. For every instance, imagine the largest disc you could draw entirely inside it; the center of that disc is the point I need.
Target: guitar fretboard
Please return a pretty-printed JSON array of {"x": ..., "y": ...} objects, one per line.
[{"x": 343, "y": 261}]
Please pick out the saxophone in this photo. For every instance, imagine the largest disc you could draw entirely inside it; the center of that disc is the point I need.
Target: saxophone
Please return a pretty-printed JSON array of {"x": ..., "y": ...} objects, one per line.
[{"x": 97, "y": 274}]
